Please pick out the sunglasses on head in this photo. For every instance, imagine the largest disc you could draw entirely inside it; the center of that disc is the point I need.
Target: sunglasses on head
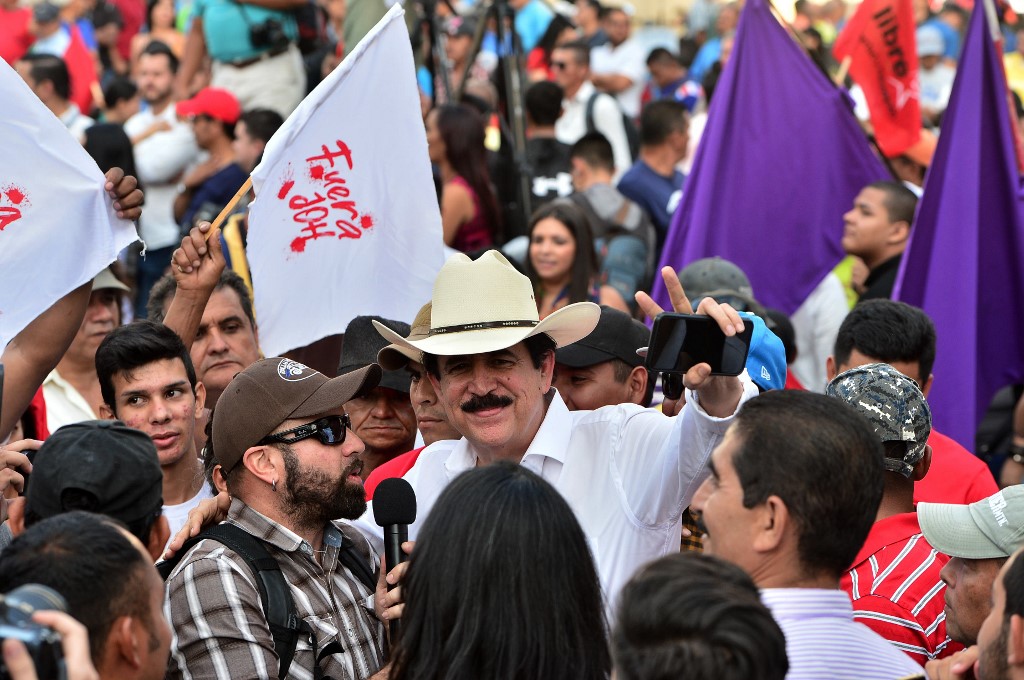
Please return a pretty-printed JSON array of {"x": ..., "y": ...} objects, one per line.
[{"x": 330, "y": 431}]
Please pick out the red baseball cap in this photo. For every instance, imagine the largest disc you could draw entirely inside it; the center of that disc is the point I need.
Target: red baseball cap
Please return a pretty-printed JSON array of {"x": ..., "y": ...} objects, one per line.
[{"x": 214, "y": 102}]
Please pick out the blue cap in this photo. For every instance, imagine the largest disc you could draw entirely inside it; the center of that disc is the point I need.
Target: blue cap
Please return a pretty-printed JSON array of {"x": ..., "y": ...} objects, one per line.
[{"x": 766, "y": 360}]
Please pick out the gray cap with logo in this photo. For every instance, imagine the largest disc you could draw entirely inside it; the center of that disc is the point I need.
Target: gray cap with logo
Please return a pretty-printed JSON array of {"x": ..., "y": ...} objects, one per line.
[
  {"x": 990, "y": 528},
  {"x": 893, "y": 404}
]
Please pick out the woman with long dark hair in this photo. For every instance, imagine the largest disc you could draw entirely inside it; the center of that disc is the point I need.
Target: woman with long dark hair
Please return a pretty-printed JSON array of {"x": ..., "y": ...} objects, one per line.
[
  {"x": 562, "y": 262},
  {"x": 501, "y": 586},
  {"x": 469, "y": 207}
]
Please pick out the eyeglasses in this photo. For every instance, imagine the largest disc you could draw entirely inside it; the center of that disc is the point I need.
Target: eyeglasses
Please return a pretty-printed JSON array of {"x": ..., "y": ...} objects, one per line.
[
  {"x": 330, "y": 431},
  {"x": 559, "y": 65}
]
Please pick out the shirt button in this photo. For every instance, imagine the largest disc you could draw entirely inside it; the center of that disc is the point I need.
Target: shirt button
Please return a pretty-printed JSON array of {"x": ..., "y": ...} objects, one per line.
[{"x": 306, "y": 549}]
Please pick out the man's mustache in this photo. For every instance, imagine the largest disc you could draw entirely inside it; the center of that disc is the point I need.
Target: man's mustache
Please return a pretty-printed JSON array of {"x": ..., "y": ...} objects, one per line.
[{"x": 485, "y": 401}]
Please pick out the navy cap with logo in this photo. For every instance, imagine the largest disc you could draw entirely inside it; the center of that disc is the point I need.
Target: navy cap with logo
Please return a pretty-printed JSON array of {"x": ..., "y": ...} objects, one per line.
[
  {"x": 617, "y": 336},
  {"x": 106, "y": 459},
  {"x": 274, "y": 390}
]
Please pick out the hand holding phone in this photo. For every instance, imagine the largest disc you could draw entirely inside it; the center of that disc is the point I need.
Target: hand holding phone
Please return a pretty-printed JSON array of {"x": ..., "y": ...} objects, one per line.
[{"x": 681, "y": 341}]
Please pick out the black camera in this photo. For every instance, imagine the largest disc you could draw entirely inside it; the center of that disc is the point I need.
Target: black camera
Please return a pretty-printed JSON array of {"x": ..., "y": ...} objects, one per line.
[
  {"x": 43, "y": 643},
  {"x": 269, "y": 34}
]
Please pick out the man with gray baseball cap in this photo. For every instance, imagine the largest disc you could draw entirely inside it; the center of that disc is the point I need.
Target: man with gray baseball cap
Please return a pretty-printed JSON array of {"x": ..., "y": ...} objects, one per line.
[
  {"x": 894, "y": 581},
  {"x": 978, "y": 538},
  {"x": 292, "y": 464}
]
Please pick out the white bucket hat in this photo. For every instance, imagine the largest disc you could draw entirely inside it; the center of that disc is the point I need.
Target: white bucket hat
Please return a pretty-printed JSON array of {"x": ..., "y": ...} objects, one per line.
[{"x": 486, "y": 305}]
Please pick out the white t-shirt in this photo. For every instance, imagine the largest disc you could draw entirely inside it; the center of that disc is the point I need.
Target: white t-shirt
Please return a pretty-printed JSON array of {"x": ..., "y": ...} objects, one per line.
[
  {"x": 628, "y": 59},
  {"x": 177, "y": 514}
]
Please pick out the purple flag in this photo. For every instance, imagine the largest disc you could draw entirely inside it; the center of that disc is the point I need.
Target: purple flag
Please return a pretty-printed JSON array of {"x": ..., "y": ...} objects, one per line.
[
  {"x": 964, "y": 264},
  {"x": 781, "y": 160}
]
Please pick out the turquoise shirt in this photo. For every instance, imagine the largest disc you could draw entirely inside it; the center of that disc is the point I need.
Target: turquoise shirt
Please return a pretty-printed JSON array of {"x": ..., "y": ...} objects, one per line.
[{"x": 226, "y": 27}]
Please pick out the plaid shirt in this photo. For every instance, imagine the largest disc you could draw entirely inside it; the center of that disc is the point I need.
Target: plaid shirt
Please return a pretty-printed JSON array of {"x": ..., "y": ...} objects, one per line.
[
  {"x": 220, "y": 630},
  {"x": 695, "y": 541}
]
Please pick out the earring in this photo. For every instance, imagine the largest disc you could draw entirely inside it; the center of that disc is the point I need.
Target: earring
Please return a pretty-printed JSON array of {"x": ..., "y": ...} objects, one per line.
[{"x": 273, "y": 485}]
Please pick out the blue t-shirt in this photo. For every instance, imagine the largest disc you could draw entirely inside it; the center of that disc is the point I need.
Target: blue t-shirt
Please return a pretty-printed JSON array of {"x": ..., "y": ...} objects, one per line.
[
  {"x": 217, "y": 191},
  {"x": 226, "y": 26},
  {"x": 656, "y": 194}
]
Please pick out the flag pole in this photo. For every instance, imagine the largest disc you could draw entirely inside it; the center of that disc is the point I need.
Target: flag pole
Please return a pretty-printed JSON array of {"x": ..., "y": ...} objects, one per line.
[{"x": 246, "y": 186}]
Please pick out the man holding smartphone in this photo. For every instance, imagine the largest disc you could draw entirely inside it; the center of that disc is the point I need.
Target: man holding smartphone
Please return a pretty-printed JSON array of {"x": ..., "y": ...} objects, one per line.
[{"x": 627, "y": 471}]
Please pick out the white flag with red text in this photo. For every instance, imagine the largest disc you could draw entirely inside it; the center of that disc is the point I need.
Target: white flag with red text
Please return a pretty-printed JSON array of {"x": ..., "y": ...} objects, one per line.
[
  {"x": 346, "y": 221},
  {"x": 58, "y": 227}
]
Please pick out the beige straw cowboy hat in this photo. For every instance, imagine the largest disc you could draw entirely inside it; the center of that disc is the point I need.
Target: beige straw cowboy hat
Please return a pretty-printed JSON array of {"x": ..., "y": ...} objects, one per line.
[{"x": 486, "y": 305}]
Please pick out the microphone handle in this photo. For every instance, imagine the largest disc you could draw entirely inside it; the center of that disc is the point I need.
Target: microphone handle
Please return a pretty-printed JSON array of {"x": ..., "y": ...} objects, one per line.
[{"x": 394, "y": 536}]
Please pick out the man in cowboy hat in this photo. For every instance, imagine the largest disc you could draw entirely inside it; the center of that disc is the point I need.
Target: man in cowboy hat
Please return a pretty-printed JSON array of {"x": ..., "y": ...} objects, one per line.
[{"x": 628, "y": 472}]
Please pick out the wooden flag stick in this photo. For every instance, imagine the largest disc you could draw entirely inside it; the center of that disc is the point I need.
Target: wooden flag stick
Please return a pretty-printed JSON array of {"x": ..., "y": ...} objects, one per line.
[{"x": 229, "y": 207}]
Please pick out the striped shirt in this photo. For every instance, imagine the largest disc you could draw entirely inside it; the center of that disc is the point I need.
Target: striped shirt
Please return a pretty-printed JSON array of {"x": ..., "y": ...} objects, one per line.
[
  {"x": 220, "y": 630},
  {"x": 896, "y": 590},
  {"x": 823, "y": 641}
]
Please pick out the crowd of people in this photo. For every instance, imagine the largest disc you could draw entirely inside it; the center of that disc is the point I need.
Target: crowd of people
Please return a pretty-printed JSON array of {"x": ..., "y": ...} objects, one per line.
[{"x": 207, "y": 511}]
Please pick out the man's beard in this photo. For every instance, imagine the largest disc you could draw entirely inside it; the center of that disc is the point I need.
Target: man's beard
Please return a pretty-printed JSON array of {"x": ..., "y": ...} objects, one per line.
[
  {"x": 992, "y": 662},
  {"x": 312, "y": 498}
]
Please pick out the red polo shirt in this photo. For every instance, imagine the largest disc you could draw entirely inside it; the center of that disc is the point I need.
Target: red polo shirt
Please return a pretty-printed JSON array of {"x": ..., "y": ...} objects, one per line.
[
  {"x": 956, "y": 475},
  {"x": 896, "y": 591},
  {"x": 396, "y": 467}
]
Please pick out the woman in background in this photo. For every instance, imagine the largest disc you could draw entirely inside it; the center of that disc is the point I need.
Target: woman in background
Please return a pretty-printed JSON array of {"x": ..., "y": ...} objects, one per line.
[
  {"x": 562, "y": 263},
  {"x": 469, "y": 207}
]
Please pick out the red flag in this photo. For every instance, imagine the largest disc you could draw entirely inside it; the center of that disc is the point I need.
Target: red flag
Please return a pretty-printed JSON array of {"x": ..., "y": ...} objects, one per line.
[{"x": 879, "y": 42}]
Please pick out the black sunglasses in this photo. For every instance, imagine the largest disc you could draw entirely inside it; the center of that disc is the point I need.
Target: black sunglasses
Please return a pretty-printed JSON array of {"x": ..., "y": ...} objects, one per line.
[{"x": 330, "y": 431}]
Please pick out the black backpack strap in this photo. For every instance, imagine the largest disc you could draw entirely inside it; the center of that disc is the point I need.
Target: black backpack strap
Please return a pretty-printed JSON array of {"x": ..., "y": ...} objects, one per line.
[
  {"x": 590, "y": 111},
  {"x": 278, "y": 606},
  {"x": 357, "y": 563}
]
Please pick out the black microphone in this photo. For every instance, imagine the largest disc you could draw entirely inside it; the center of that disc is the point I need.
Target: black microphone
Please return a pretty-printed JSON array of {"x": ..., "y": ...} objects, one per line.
[{"x": 394, "y": 509}]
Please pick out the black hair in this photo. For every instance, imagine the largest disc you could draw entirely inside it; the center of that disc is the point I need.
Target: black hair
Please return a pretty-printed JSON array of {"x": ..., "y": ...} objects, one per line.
[
  {"x": 900, "y": 202},
  {"x": 47, "y": 67},
  {"x": 1013, "y": 585},
  {"x": 261, "y": 123},
  {"x": 86, "y": 559},
  {"x": 109, "y": 145},
  {"x": 520, "y": 552},
  {"x": 887, "y": 331},
  {"x": 536, "y": 345},
  {"x": 138, "y": 344},
  {"x": 580, "y": 50},
  {"x": 157, "y": 47},
  {"x": 543, "y": 102},
  {"x": 595, "y": 150},
  {"x": 548, "y": 40},
  {"x": 105, "y": 13},
  {"x": 621, "y": 372},
  {"x": 690, "y": 616},
  {"x": 780, "y": 324},
  {"x": 824, "y": 460},
  {"x": 462, "y": 130},
  {"x": 163, "y": 290},
  {"x": 659, "y": 55},
  {"x": 119, "y": 89},
  {"x": 584, "y": 265},
  {"x": 688, "y": 48},
  {"x": 660, "y": 119}
]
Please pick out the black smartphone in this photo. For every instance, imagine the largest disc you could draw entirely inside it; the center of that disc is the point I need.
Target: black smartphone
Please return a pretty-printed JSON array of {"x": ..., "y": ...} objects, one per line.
[{"x": 681, "y": 341}]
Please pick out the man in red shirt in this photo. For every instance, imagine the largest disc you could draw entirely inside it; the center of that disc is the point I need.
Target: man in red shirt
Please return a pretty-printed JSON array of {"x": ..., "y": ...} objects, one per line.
[
  {"x": 904, "y": 337},
  {"x": 894, "y": 582}
]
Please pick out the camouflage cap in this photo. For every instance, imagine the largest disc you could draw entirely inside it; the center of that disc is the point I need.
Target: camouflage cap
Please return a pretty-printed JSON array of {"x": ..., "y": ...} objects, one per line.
[{"x": 893, "y": 404}]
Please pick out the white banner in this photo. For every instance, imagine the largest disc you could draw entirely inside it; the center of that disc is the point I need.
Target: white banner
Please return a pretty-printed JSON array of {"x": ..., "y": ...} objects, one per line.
[
  {"x": 58, "y": 227},
  {"x": 346, "y": 220}
]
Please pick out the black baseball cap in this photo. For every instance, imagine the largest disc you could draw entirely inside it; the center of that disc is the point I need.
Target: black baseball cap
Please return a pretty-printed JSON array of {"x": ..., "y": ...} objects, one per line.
[
  {"x": 106, "y": 458},
  {"x": 617, "y": 336}
]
